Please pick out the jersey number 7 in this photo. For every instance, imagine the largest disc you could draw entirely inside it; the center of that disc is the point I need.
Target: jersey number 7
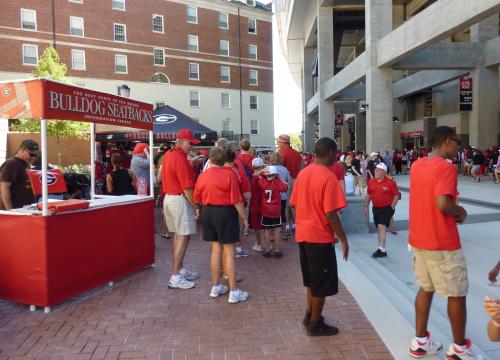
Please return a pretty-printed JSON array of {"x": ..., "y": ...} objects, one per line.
[{"x": 269, "y": 195}]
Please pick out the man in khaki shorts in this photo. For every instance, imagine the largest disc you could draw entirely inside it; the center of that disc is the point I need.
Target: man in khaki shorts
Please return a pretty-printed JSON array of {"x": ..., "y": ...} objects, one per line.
[
  {"x": 438, "y": 262},
  {"x": 179, "y": 207}
]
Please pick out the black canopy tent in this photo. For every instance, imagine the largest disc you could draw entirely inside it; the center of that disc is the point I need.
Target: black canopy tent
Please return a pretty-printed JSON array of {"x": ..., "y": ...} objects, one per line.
[{"x": 167, "y": 123}]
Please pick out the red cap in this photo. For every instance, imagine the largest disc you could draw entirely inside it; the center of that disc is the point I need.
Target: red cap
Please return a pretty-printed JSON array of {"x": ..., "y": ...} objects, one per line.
[
  {"x": 187, "y": 134},
  {"x": 139, "y": 148},
  {"x": 284, "y": 138}
]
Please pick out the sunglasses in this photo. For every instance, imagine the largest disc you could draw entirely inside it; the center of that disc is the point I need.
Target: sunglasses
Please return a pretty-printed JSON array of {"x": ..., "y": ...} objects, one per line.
[{"x": 32, "y": 154}]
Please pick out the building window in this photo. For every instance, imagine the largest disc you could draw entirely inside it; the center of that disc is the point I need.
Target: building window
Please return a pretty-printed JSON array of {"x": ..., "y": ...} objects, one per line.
[
  {"x": 223, "y": 20},
  {"x": 226, "y": 126},
  {"x": 118, "y": 4},
  {"x": 159, "y": 57},
  {"x": 254, "y": 127},
  {"x": 253, "y": 77},
  {"x": 224, "y": 47},
  {"x": 193, "y": 43},
  {"x": 252, "y": 26},
  {"x": 158, "y": 23},
  {"x": 225, "y": 74},
  {"x": 78, "y": 59},
  {"x": 254, "y": 102},
  {"x": 194, "y": 98},
  {"x": 119, "y": 32},
  {"x": 121, "y": 64},
  {"x": 194, "y": 71},
  {"x": 251, "y": 2},
  {"x": 159, "y": 104},
  {"x": 30, "y": 54},
  {"x": 28, "y": 19},
  {"x": 76, "y": 26},
  {"x": 160, "y": 78},
  {"x": 252, "y": 52},
  {"x": 192, "y": 15},
  {"x": 76, "y": 1},
  {"x": 225, "y": 101}
]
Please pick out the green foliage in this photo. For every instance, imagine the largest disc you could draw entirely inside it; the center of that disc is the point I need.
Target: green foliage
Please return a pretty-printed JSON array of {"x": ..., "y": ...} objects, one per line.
[
  {"x": 50, "y": 66},
  {"x": 296, "y": 141}
]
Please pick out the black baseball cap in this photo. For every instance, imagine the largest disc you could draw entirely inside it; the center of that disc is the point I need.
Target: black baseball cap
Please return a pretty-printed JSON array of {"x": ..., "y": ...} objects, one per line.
[{"x": 31, "y": 146}]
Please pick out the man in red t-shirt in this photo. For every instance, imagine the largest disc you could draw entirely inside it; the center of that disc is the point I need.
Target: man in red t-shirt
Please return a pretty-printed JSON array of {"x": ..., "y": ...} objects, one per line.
[
  {"x": 317, "y": 197},
  {"x": 384, "y": 194},
  {"x": 338, "y": 170},
  {"x": 178, "y": 206},
  {"x": 439, "y": 263},
  {"x": 245, "y": 157}
]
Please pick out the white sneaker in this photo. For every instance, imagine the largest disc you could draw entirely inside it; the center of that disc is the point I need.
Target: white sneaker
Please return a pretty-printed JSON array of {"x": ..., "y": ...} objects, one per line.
[
  {"x": 242, "y": 253},
  {"x": 257, "y": 248},
  {"x": 236, "y": 296},
  {"x": 180, "y": 283},
  {"x": 418, "y": 350},
  {"x": 218, "y": 290},
  {"x": 189, "y": 275},
  {"x": 454, "y": 354}
]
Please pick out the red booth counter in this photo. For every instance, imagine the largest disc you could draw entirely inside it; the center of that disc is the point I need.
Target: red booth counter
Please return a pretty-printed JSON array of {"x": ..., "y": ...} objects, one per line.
[{"x": 45, "y": 260}]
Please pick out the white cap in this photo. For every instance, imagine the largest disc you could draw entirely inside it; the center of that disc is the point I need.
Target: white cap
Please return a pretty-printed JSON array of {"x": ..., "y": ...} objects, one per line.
[
  {"x": 374, "y": 154},
  {"x": 257, "y": 162},
  {"x": 382, "y": 166},
  {"x": 272, "y": 170}
]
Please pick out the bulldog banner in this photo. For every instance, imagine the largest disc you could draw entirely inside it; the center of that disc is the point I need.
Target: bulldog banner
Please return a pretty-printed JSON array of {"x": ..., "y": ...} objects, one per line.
[{"x": 45, "y": 99}]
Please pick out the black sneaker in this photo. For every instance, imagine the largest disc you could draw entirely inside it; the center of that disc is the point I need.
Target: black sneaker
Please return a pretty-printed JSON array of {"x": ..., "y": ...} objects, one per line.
[
  {"x": 379, "y": 254},
  {"x": 307, "y": 319},
  {"x": 319, "y": 328}
]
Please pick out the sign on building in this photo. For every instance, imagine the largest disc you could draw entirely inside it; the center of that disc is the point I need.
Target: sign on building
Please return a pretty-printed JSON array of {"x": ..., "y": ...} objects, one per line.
[{"x": 465, "y": 93}]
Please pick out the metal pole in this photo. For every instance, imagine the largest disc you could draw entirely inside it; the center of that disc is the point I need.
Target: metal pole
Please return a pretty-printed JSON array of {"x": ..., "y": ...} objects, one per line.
[
  {"x": 53, "y": 24},
  {"x": 239, "y": 61},
  {"x": 151, "y": 165},
  {"x": 92, "y": 161},
  {"x": 45, "y": 186}
]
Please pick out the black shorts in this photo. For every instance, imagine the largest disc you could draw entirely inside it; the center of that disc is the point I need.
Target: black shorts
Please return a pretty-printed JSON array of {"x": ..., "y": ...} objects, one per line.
[
  {"x": 319, "y": 268},
  {"x": 382, "y": 215},
  {"x": 270, "y": 223},
  {"x": 220, "y": 223},
  {"x": 283, "y": 211}
]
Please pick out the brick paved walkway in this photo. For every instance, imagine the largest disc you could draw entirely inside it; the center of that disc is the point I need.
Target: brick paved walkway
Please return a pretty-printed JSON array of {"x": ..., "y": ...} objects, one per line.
[{"x": 141, "y": 318}]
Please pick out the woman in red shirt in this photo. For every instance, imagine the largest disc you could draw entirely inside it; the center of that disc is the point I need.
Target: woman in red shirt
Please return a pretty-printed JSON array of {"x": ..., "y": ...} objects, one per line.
[{"x": 219, "y": 192}]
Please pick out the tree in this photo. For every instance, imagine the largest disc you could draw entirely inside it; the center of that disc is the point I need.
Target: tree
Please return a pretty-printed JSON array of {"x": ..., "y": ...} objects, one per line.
[
  {"x": 50, "y": 67},
  {"x": 296, "y": 141}
]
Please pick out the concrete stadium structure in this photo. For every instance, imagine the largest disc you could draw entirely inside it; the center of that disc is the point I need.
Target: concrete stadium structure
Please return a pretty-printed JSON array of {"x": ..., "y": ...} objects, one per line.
[{"x": 392, "y": 68}]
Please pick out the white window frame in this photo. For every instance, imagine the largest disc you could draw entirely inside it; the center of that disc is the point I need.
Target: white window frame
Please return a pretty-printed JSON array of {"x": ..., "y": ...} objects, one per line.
[
  {"x": 162, "y": 57},
  {"x": 220, "y": 47},
  {"x": 256, "y": 102},
  {"x": 251, "y": 2},
  {"x": 22, "y": 20},
  {"x": 126, "y": 64},
  {"x": 36, "y": 50},
  {"x": 199, "y": 98},
  {"x": 73, "y": 51},
  {"x": 224, "y": 123},
  {"x": 228, "y": 75},
  {"x": 228, "y": 101},
  {"x": 256, "y": 54},
  {"x": 251, "y": 71},
  {"x": 248, "y": 26},
  {"x": 197, "y": 45},
  {"x": 76, "y": 1},
  {"x": 160, "y": 102},
  {"x": 71, "y": 19},
  {"x": 124, "y": 32},
  {"x": 227, "y": 20},
  {"x": 162, "y": 24},
  {"x": 258, "y": 127},
  {"x": 115, "y": 8},
  {"x": 196, "y": 14},
  {"x": 197, "y": 71}
]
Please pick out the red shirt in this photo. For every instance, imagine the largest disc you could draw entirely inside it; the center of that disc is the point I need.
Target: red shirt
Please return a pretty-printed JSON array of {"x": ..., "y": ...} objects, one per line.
[
  {"x": 292, "y": 160},
  {"x": 246, "y": 159},
  {"x": 315, "y": 193},
  {"x": 271, "y": 196},
  {"x": 255, "y": 201},
  {"x": 431, "y": 229},
  {"x": 338, "y": 170},
  {"x": 383, "y": 192},
  {"x": 177, "y": 172},
  {"x": 216, "y": 186},
  {"x": 243, "y": 178}
]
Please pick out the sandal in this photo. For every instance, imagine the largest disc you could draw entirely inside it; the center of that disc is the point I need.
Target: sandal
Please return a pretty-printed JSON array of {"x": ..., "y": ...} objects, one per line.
[
  {"x": 284, "y": 238},
  {"x": 166, "y": 236},
  {"x": 278, "y": 253},
  {"x": 266, "y": 254}
]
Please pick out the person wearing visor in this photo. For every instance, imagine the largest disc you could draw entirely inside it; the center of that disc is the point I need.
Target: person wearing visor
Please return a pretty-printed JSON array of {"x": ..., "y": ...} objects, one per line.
[{"x": 14, "y": 190}]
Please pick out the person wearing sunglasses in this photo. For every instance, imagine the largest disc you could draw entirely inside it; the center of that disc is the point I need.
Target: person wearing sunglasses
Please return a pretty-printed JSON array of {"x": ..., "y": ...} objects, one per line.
[{"x": 14, "y": 189}]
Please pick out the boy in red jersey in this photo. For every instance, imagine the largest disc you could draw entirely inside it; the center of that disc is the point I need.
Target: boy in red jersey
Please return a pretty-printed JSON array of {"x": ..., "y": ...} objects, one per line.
[
  {"x": 255, "y": 202},
  {"x": 271, "y": 187}
]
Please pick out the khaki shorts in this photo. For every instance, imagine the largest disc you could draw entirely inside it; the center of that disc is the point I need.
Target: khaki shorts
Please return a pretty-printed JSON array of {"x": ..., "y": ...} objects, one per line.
[
  {"x": 179, "y": 215},
  {"x": 359, "y": 182},
  {"x": 291, "y": 183},
  {"x": 442, "y": 271}
]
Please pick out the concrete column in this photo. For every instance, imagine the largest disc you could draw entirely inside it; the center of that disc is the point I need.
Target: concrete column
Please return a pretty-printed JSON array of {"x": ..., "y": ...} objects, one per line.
[
  {"x": 360, "y": 131},
  {"x": 309, "y": 133},
  {"x": 379, "y": 132},
  {"x": 325, "y": 70},
  {"x": 484, "y": 129},
  {"x": 430, "y": 124},
  {"x": 307, "y": 93}
]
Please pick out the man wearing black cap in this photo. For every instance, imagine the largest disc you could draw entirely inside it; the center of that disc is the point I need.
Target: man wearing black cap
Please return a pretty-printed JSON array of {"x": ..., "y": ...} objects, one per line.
[{"x": 14, "y": 192}]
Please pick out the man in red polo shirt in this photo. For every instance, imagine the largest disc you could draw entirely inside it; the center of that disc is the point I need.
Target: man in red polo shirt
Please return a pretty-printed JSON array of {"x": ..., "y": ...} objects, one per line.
[
  {"x": 317, "y": 197},
  {"x": 293, "y": 162},
  {"x": 384, "y": 194},
  {"x": 178, "y": 206},
  {"x": 245, "y": 157}
]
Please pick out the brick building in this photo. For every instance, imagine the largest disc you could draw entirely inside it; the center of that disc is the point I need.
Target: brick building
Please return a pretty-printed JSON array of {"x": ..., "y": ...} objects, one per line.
[{"x": 185, "y": 53}]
